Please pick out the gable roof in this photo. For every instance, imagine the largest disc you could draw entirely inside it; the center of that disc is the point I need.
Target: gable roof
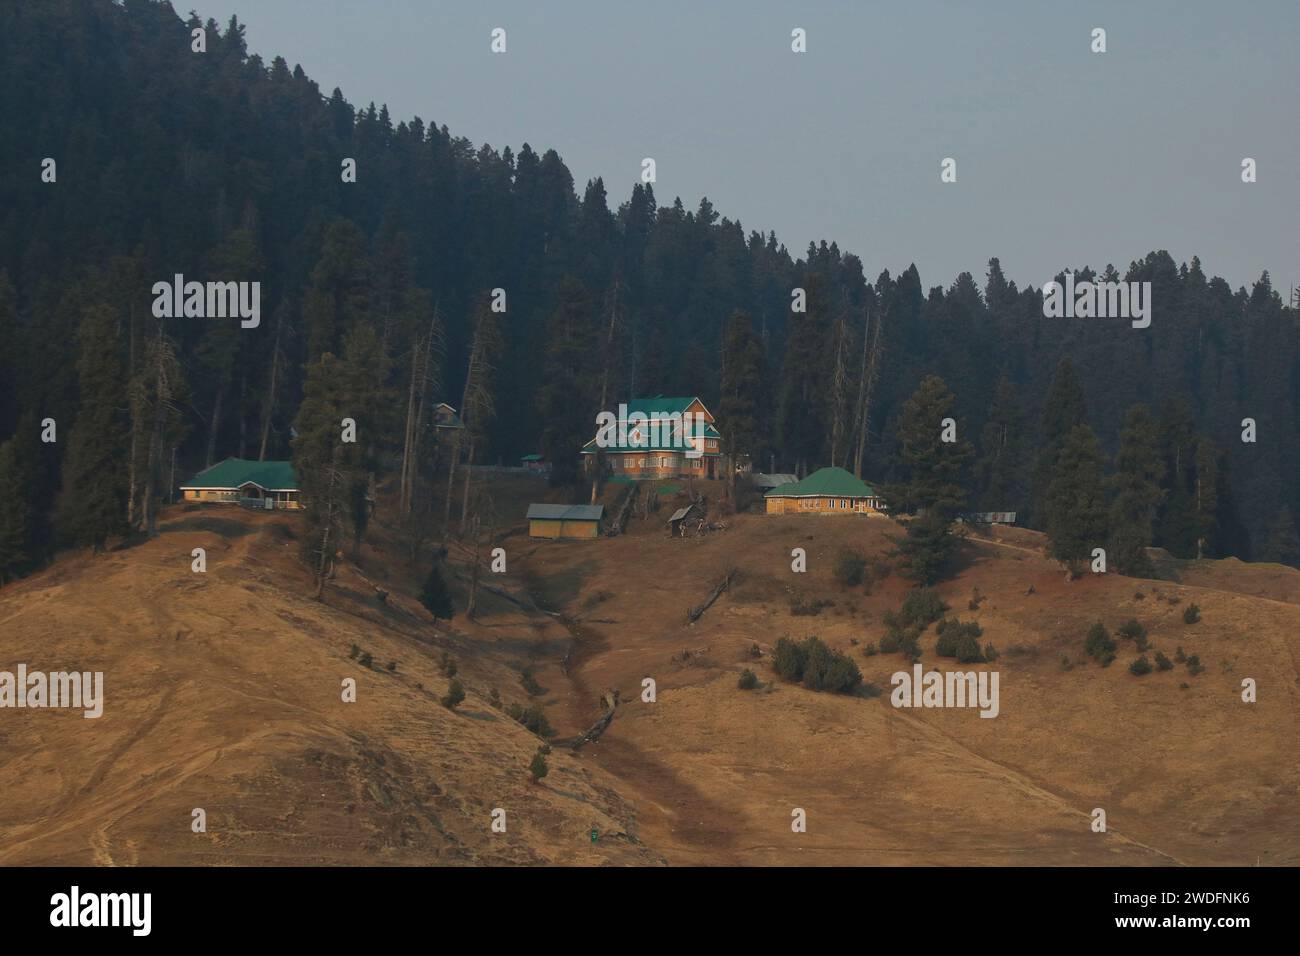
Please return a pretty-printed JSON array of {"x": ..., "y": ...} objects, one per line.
[
  {"x": 659, "y": 405},
  {"x": 565, "y": 512},
  {"x": 236, "y": 472},
  {"x": 825, "y": 482}
]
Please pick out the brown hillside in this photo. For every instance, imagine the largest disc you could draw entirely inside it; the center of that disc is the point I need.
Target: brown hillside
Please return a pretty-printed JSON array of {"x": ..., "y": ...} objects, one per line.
[{"x": 223, "y": 692}]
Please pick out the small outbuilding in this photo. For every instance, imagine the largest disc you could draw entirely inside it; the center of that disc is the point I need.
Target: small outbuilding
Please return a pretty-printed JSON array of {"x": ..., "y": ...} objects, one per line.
[{"x": 565, "y": 521}]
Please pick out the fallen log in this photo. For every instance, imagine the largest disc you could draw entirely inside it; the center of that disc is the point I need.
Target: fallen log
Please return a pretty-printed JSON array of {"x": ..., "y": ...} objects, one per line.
[
  {"x": 695, "y": 613},
  {"x": 610, "y": 700}
]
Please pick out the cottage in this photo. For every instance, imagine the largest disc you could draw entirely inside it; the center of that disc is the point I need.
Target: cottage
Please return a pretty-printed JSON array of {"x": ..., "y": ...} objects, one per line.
[
  {"x": 254, "y": 484},
  {"x": 535, "y": 465},
  {"x": 564, "y": 521},
  {"x": 657, "y": 438},
  {"x": 445, "y": 418},
  {"x": 828, "y": 491}
]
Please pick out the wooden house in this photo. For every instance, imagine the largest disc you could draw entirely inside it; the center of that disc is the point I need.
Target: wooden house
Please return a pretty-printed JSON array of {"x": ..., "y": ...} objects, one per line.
[
  {"x": 253, "y": 484},
  {"x": 828, "y": 491},
  {"x": 659, "y": 438}
]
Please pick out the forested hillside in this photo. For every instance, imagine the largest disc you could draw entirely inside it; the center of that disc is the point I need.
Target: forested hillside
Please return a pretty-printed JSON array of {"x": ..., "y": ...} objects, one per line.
[{"x": 375, "y": 303}]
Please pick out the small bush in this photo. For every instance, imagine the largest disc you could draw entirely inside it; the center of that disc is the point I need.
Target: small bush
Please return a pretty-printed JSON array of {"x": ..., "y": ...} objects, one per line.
[
  {"x": 1140, "y": 666},
  {"x": 953, "y": 634},
  {"x": 1107, "y": 659},
  {"x": 447, "y": 665},
  {"x": 1184, "y": 686},
  {"x": 1099, "y": 643},
  {"x": 1194, "y": 665},
  {"x": 923, "y": 606},
  {"x": 870, "y": 650},
  {"x": 968, "y": 650},
  {"x": 365, "y": 660},
  {"x": 455, "y": 694},
  {"x": 990, "y": 653},
  {"x": 802, "y": 608},
  {"x": 392, "y": 666},
  {"x": 1133, "y": 630},
  {"x": 530, "y": 685},
  {"x": 1065, "y": 662},
  {"x": 755, "y": 651},
  {"x": 1191, "y": 614},
  {"x": 532, "y": 717},
  {"x": 748, "y": 680},
  {"x": 1163, "y": 663},
  {"x": 354, "y": 652},
  {"x": 435, "y": 596},
  {"x": 850, "y": 567},
  {"x": 1138, "y": 596},
  {"x": 494, "y": 698},
  {"x": 1179, "y": 656},
  {"x": 538, "y": 768},
  {"x": 788, "y": 659}
]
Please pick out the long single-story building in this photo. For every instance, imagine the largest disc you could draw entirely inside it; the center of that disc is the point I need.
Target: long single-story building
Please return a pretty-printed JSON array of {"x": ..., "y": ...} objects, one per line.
[
  {"x": 564, "y": 521},
  {"x": 827, "y": 491},
  {"x": 256, "y": 484}
]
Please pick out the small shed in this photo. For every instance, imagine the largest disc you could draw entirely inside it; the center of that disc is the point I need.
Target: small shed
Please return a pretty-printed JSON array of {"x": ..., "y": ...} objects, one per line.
[
  {"x": 564, "y": 521},
  {"x": 682, "y": 517},
  {"x": 535, "y": 463},
  {"x": 763, "y": 481}
]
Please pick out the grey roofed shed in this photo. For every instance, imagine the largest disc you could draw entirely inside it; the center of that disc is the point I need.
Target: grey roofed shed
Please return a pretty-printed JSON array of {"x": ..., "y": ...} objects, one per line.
[{"x": 565, "y": 512}]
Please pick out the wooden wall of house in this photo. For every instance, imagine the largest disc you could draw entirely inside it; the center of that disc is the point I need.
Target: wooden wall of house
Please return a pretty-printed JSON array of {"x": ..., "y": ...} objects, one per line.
[
  {"x": 822, "y": 506},
  {"x": 550, "y": 528}
]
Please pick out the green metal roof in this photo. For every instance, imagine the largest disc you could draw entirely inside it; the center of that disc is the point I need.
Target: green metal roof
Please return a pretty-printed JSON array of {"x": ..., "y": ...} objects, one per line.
[
  {"x": 825, "y": 482},
  {"x": 660, "y": 405},
  {"x": 237, "y": 472}
]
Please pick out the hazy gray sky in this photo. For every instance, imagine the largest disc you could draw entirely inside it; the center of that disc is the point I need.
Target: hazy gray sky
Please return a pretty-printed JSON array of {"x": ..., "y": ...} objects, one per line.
[{"x": 1064, "y": 157}]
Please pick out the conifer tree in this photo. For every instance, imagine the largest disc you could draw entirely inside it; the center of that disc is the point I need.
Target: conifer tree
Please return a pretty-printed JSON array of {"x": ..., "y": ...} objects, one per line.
[
  {"x": 14, "y": 558},
  {"x": 933, "y": 472},
  {"x": 1001, "y": 466},
  {"x": 93, "y": 504},
  {"x": 741, "y": 391},
  {"x": 1062, "y": 411},
  {"x": 1206, "y": 497},
  {"x": 1076, "y": 500},
  {"x": 1139, "y": 470},
  {"x": 568, "y": 396}
]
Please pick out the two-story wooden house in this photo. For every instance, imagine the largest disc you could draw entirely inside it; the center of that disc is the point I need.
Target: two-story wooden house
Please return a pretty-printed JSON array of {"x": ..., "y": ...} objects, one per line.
[{"x": 657, "y": 438}]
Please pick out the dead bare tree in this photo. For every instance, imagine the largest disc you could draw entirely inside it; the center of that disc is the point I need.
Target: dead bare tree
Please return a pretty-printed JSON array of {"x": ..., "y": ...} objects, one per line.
[
  {"x": 870, "y": 370},
  {"x": 426, "y": 361},
  {"x": 268, "y": 399}
]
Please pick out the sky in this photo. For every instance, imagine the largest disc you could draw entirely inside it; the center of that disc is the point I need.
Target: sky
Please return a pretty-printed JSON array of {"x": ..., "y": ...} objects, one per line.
[{"x": 1064, "y": 157}]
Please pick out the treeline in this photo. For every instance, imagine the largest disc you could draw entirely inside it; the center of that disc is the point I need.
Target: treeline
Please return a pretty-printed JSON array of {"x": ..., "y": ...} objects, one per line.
[
  {"x": 1165, "y": 485},
  {"x": 378, "y": 300}
]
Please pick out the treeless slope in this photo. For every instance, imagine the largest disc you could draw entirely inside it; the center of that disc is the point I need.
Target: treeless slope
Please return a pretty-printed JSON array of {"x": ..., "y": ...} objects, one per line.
[
  {"x": 1185, "y": 775},
  {"x": 223, "y": 692}
]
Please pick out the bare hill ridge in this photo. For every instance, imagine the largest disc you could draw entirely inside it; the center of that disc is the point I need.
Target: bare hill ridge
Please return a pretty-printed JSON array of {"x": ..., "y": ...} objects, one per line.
[{"x": 223, "y": 692}]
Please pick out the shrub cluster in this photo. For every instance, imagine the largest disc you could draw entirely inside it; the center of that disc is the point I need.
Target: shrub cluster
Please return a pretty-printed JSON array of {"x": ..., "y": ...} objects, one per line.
[
  {"x": 815, "y": 665},
  {"x": 959, "y": 639},
  {"x": 1099, "y": 645}
]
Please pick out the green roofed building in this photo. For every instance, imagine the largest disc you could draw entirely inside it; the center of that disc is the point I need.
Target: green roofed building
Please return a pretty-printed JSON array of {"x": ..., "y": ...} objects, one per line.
[
  {"x": 828, "y": 491},
  {"x": 647, "y": 438},
  {"x": 254, "y": 484}
]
